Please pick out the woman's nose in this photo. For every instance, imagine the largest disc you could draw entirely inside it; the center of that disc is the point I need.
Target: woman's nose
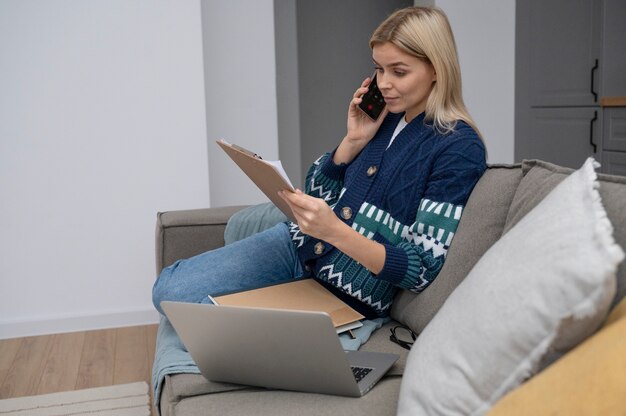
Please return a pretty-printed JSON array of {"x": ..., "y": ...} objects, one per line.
[{"x": 383, "y": 82}]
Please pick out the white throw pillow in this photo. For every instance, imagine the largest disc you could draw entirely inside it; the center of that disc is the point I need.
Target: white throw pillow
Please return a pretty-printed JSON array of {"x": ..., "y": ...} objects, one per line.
[{"x": 545, "y": 285}]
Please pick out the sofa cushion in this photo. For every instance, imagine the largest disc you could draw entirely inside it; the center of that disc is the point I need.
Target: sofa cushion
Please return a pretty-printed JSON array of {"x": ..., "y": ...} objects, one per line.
[
  {"x": 380, "y": 401},
  {"x": 481, "y": 225},
  {"x": 550, "y": 271},
  {"x": 177, "y": 387},
  {"x": 180, "y": 387},
  {"x": 184, "y": 234},
  {"x": 590, "y": 380},
  {"x": 541, "y": 177}
]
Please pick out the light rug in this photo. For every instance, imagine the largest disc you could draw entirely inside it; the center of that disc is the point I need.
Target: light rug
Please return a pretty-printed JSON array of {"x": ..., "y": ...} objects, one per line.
[{"x": 120, "y": 400}]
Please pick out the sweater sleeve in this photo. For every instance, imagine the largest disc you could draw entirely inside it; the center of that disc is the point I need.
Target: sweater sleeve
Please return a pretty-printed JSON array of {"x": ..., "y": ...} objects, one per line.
[
  {"x": 325, "y": 179},
  {"x": 415, "y": 257}
]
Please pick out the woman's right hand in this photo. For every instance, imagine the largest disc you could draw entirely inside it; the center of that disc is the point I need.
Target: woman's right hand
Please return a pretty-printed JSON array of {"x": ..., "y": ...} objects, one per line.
[{"x": 361, "y": 128}]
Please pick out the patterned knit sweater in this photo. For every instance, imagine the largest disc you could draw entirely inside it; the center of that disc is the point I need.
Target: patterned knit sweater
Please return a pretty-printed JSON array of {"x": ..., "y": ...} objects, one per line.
[{"x": 408, "y": 197}]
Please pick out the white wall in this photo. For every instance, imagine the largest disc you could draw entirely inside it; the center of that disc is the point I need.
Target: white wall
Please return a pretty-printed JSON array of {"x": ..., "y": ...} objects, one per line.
[
  {"x": 484, "y": 31},
  {"x": 102, "y": 124},
  {"x": 240, "y": 71}
]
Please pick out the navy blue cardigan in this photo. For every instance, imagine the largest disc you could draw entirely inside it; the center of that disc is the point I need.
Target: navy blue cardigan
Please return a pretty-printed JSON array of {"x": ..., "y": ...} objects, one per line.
[{"x": 408, "y": 197}]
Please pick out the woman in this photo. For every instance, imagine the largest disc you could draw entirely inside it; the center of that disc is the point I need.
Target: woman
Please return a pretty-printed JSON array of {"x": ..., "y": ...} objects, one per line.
[{"x": 380, "y": 211}]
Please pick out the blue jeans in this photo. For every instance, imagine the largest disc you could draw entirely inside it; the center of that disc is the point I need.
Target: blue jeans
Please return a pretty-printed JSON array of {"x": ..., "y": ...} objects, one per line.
[{"x": 261, "y": 259}]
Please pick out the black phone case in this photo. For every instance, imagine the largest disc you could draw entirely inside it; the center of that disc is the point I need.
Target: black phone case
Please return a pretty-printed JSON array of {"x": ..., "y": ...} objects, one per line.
[{"x": 373, "y": 103}]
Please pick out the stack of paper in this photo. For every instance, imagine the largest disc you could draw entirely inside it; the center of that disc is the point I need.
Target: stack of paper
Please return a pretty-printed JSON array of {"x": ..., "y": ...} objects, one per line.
[{"x": 302, "y": 295}]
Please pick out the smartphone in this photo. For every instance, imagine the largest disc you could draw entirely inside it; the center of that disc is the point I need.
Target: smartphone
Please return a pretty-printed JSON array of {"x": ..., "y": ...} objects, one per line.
[{"x": 373, "y": 103}]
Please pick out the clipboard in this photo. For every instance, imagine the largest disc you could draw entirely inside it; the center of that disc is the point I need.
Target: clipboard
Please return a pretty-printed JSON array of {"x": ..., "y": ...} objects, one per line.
[
  {"x": 268, "y": 176},
  {"x": 303, "y": 295}
]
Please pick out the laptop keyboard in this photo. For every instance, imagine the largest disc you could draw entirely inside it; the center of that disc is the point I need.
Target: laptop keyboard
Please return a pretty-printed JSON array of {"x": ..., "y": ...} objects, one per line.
[{"x": 360, "y": 372}]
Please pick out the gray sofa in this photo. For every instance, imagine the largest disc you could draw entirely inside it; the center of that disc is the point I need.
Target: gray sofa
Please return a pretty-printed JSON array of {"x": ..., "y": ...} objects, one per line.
[{"x": 502, "y": 196}]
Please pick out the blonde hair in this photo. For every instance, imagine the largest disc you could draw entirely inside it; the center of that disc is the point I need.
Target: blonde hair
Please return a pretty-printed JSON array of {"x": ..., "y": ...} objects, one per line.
[{"x": 425, "y": 32}]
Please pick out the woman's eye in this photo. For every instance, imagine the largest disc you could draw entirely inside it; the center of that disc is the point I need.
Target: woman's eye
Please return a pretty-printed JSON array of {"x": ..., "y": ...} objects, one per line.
[{"x": 399, "y": 73}]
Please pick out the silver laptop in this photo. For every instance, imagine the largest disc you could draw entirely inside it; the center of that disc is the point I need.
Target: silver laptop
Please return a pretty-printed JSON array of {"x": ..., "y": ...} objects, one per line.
[{"x": 277, "y": 349}]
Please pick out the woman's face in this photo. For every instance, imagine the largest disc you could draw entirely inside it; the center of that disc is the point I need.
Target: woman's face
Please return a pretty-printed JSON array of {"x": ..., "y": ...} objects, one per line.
[{"x": 404, "y": 80}]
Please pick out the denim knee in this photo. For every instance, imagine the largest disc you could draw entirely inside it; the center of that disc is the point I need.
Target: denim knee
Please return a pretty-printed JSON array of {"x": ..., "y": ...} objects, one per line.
[{"x": 161, "y": 290}]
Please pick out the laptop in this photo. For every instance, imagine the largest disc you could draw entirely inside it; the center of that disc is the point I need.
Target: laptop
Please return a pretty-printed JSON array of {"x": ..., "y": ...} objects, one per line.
[{"x": 275, "y": 349}]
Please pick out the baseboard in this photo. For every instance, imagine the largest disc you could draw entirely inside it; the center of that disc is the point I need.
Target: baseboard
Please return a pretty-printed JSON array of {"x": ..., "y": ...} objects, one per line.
[{"x": 75, "y": 323}]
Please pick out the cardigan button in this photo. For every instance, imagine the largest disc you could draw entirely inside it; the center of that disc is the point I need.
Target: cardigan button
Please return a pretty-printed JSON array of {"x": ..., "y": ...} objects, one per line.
[
  {"x": 346, "y": 213},
  {"x": 318, "y": 248},
  {"x": 371, "y": 171}
]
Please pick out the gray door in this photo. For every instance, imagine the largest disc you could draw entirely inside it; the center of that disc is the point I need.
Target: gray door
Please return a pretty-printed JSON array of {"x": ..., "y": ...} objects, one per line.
[
  {"x": 564, "y": 44},
  {"x": 614, "y": 163},
  {"x": 613, "y": 64},
  {"x": 565, "y": 136},
  {"x": 614, "y": 135}
]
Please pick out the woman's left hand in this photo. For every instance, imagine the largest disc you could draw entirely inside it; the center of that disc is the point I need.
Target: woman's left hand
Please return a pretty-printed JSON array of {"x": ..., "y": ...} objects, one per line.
[{"x": 314, "y": 215}]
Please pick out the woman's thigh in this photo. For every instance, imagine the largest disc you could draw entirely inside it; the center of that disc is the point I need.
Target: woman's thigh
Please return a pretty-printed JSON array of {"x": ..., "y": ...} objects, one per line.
[{"x": 263, "y": 258}]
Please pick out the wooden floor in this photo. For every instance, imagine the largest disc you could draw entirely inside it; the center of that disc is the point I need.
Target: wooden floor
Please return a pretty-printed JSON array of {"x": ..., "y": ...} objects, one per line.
[{"x": 74, "y": 361}]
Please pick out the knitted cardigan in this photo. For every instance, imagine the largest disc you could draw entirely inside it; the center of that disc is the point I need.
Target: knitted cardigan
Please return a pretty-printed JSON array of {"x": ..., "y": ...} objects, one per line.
[{"x": 408, "y": 197}]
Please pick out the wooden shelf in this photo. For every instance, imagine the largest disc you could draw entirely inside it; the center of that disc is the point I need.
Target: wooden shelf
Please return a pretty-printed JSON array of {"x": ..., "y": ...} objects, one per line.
[{"x": 613, "y": 101}]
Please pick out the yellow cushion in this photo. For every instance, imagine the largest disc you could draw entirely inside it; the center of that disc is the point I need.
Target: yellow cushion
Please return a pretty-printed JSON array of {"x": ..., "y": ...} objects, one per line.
[
  {"x": 617, "y": 313},
  {"x": 589, "y": 380}
]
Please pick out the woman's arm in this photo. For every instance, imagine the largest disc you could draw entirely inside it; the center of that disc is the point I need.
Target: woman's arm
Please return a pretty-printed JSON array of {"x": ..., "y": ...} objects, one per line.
[
  {"x": 416, "y": 254},
  {"x": 411, "y": 255},
  {"x": 325, "y": 177},
  {"x": 317, "y": 219},
  {"x": 360, "y": 129}
]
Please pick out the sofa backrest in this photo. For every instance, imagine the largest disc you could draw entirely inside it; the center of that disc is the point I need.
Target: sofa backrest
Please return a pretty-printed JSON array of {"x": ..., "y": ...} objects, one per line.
[
  {"x": 480, "y": 227},
  {"x": 500, "y": 199}
]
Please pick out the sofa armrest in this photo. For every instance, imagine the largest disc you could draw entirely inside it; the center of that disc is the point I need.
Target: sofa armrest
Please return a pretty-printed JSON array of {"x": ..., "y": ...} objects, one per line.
[{"x": 183, "y": 234}]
